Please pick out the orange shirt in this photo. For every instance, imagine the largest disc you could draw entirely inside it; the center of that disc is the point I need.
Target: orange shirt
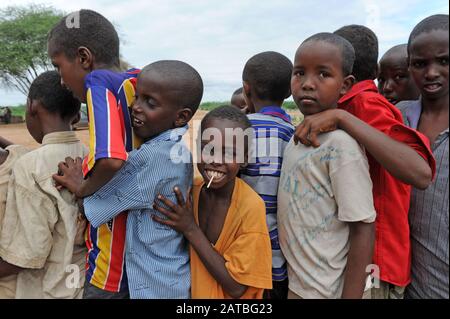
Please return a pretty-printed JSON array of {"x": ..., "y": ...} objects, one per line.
[{"x": 244, "y": 243}]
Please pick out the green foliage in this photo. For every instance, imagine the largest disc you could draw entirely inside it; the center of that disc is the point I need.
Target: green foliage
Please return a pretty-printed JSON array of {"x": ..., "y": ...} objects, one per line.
[{"x": 23, "y": 43}]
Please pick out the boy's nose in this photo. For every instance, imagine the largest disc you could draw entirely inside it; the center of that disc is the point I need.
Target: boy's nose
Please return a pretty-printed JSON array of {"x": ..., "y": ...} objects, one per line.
[
  {"x": 432, "y": 72},
  {"x": 388, "y": 86},
  {"x": 308, "y": 84}
]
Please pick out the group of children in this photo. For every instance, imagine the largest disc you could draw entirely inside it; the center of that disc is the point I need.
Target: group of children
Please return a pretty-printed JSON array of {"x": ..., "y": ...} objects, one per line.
[{"x": 297, "y": 212}]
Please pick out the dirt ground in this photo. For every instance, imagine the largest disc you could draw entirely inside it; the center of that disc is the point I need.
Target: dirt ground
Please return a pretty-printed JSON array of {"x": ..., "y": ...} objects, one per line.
[{"x": 18, "y": 133}]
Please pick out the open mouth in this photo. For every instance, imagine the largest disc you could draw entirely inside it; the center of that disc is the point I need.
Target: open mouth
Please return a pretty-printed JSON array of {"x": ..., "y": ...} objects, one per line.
[
  {"x": 215, "y": 175},
  {"x": 432, "y": 87},
  {"x": 136, "y": 122}
]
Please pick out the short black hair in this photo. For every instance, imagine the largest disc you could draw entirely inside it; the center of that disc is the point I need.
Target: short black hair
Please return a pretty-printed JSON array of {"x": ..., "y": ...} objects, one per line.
[
  {"x": 94, "y": 32},
  {"x": 347, "y": 51},
  {"x": 55, "y": 98},
  {"x": 269, "y": 74},
  {"x": 228, "y": 112},
  {"x": 431, "y": 23},
  {"x": 365, "y": 43},
  {"x": 183, "y": 80},
  {"x": 238, "y": 91}
]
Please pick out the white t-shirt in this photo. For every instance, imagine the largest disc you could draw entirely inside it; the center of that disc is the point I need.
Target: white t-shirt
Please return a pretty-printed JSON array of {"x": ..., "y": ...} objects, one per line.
[{"x": 320, "y": 191}]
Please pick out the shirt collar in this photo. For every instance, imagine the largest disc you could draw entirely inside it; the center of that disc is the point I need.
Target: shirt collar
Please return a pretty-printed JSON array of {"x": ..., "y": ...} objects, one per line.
[
  {"x": 366, "y": 85},
  {"x": 276, "y": 111},
  {"x": 170, "y": 135},
  {"x": 412, "y": 113},
  {"x": 60, "y": 138}
]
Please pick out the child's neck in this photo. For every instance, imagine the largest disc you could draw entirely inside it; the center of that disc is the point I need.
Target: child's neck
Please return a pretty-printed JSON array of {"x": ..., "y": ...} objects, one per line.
[
  {"x": 53, "y": 124},
  {"x": 113, "y": 68},
  {"x": 260, "y": 104},
  {"x": 437, "y": 107}
]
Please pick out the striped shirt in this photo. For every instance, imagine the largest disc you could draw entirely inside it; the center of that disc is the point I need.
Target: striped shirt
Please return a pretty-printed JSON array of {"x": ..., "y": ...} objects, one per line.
[
  {"x": 273, "y": 130},
  {"x": 428, "y": 216},
  {"x": 157, "y": 256},
  {"x": 109, "y": 97}
]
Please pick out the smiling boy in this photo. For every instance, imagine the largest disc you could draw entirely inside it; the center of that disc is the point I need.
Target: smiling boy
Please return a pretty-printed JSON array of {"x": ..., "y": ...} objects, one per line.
[
  {"x": 168, "y": 93},
  {"x": 326, "y": 213}
]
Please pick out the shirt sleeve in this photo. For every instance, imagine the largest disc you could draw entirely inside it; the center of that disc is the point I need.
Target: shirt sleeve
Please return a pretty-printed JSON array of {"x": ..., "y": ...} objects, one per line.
[
  {"x": 375, "y": 113},
  {"x": 26, "y": 230},
  {"x": 240, "y": 260},
  {"x": 105, "y": 123},
  {"x": 121, "y": 193},
  {"x": 351, "y": 182}
]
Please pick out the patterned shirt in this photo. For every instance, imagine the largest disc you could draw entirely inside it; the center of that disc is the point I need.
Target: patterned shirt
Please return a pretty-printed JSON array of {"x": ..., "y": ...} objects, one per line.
[
  {"x": 157, "y": 256},
  {"x": 428, "y": 216},
  {"x": 273, "y": 130},
  {"x": 109, "y": 97}
]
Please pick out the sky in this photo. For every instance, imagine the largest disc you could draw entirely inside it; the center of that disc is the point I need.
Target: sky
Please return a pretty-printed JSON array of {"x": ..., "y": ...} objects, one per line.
[{"x": 218, "y": 37}]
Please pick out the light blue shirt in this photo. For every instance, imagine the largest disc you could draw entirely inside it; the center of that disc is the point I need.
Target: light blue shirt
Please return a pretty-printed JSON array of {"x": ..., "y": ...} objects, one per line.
[{"x": 156, "y": 256}]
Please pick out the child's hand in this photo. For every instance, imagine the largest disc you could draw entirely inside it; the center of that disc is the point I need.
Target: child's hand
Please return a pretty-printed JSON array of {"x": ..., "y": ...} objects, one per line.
[
  {"x": 180, "y": 217},
  {"x": 70, "y": 175},
  {"x": 313, "y": 125}
]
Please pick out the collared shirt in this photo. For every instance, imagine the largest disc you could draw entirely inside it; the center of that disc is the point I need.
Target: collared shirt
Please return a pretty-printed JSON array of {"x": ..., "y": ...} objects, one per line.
[
  {"x": 40, "y": 229},
  {"x": 428, "y": 216},
  {"x": 109, "y": 97},
  {"x": 8, "y": 284},
  {"x": 273, "y": 130},
  {"x": 157, "y": 257},
  {"x": 392, "y": 251}
]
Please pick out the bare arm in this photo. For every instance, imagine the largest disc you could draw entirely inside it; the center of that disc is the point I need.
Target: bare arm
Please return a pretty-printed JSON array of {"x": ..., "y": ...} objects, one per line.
[
  {"x": 71, "y": 176},
  {"x": 181, "y": 219},
  {"x": 6, "y": 269},
  {"x": 399, "y": 159},
  {"x": 362, "y": 237}
]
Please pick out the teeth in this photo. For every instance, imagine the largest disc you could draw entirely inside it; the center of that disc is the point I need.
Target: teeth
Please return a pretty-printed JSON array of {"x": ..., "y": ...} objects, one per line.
[{"x": 214, "y": 174}]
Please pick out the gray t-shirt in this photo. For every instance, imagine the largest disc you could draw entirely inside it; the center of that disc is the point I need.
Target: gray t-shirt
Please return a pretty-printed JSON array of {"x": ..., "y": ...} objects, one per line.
[{"x": 428, "y": 218}]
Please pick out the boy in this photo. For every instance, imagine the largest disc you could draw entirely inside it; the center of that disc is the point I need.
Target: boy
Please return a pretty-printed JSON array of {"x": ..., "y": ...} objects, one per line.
[
  {"x": 326, "y": 214},
  {"x": 394, "y": 81},
  {"x": 226, "y": 227},
  {"x": 157, "y": 259},
  {"x": 238, "y": 100},
  {"x": 398, "y": 157},
  {"x": 428, "y": 213},
  {"x": 38, "y": 236},
  {"x": 267, "y": 79},
  {"x": 89, "y": 66},
  {"x": 9, "y": 154}
]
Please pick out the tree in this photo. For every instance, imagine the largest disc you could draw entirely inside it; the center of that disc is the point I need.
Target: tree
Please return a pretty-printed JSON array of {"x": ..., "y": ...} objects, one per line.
[{"x": 23, "y": 44}]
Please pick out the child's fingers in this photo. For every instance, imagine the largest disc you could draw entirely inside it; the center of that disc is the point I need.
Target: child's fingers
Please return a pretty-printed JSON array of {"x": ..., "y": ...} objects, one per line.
[
  {"x": 59, "y": 181},
  {"x": 180, "y": 198},
  {"x": 303, "y": 132},
  {"x": 165, "y": 212},
  {"x": 163, "y": 221},
  {"x": 313, "y": 139},
  {"x": 70, "y": 161},
  {"x": 189, "y": 197},
  {"x": 78, "y": 161},
  {"x": 168, "y": 202}
]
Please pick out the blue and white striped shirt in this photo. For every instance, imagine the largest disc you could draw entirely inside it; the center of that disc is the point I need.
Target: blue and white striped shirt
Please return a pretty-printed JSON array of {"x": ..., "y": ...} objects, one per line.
[
  {"x": 273, "y": 130},
  {"x": 156, "y": 256}
]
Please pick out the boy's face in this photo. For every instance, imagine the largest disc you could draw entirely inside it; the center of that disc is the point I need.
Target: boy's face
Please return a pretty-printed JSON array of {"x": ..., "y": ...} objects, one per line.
[
  {"x": 154, "y": 111},
  {"x": 221, "y": 157},
  {"x": 394, "y": 80},
  {"x": 428, "y": 64},
  {"x": 317, "y": 79},
  {"x": 71, "y": 71}
]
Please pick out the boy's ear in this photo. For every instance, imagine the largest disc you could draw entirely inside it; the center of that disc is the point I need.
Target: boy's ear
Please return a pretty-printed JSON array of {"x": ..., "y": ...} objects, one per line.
[
  {"x": 247, "y": 90},
  {"x": 347, "y": 84},
  {"x": 32, "y": 107},
  {"x": 183, "y": 117},
  {"x": 85, "y": 57}
]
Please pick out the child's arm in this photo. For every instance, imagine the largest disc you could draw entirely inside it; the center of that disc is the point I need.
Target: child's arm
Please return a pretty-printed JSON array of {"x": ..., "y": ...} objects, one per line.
[
  {"x": 399, "y": 159},
  {"x": 362, "y": 237},
  {"x": 72, "y": 179},
  {"x": 4, "y": 143},
  {"x": 182, "y": 220},
  {"x": 7, "y": 269}
]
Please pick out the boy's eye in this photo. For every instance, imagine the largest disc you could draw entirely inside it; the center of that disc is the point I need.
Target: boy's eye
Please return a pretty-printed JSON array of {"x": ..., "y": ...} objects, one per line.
[
  {"x": 299, "y": 73},
  {"x": 399, "y": 77},
  {"x": 418, "y": 64},
  {"x": 324, "y": 74},
  {"x": 443, "y": 61}
]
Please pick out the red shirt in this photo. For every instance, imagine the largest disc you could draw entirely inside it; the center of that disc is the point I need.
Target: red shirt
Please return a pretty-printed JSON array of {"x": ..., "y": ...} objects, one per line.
[{"x": 391, "y": 196}]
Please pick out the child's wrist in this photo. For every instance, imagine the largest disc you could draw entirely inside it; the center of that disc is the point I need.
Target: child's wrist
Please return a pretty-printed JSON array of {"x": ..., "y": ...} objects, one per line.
[{"x": 191, "y": 231}]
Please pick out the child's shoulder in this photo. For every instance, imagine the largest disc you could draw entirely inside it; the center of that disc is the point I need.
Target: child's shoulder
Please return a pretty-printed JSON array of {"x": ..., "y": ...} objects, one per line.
[
  {"x": 247, "y": 200},
  {"x": 107, "y": 77}
]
